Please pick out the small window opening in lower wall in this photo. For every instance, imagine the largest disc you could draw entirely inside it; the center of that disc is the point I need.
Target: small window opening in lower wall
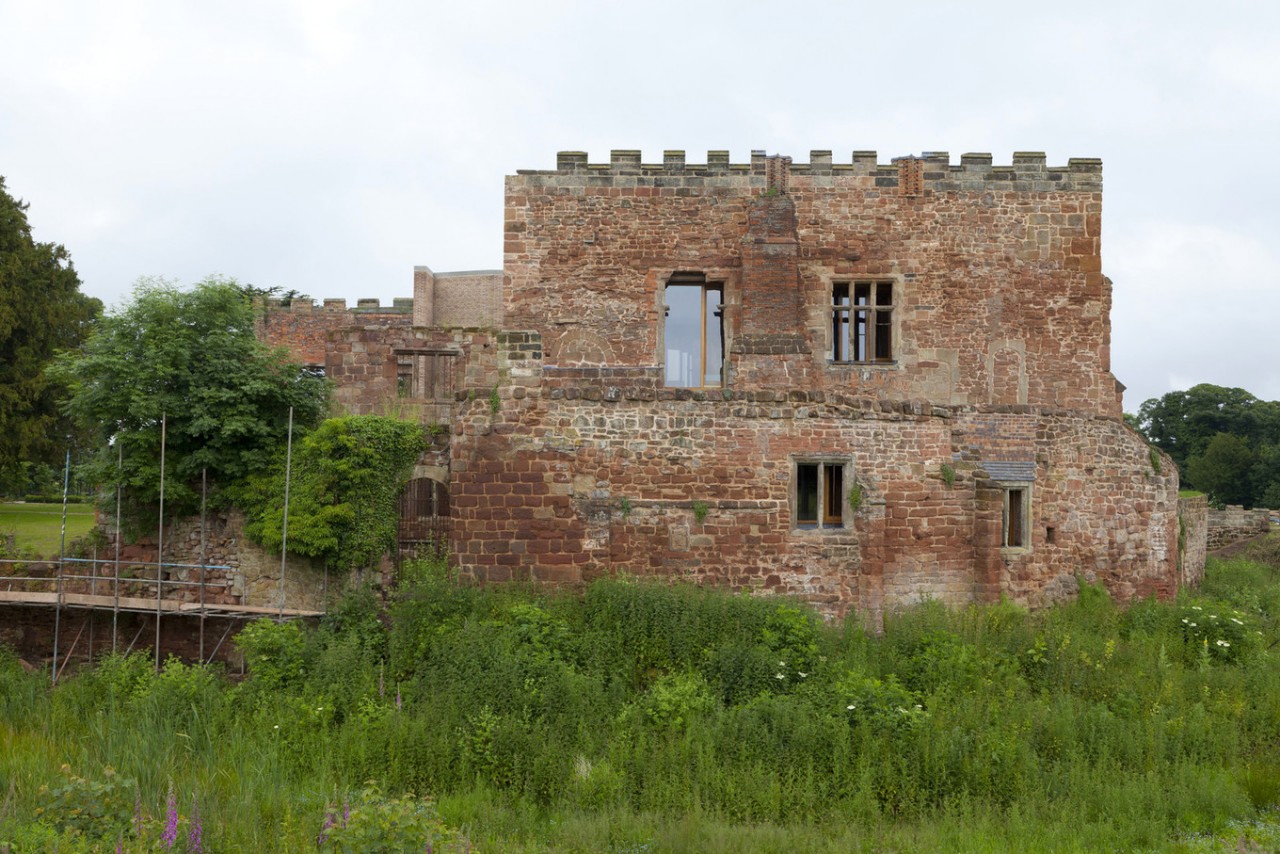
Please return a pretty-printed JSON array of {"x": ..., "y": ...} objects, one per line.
[
  {"x": 1050, "y": 534},
  {"x": 820, "y": 495},
  {"x": 1016, "y": 501}
]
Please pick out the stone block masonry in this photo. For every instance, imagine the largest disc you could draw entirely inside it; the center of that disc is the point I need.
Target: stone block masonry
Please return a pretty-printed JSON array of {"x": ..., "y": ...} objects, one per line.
[{"x": 865, "y": 384}]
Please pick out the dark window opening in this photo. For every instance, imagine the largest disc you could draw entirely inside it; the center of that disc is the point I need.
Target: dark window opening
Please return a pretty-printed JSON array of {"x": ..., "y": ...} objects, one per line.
[
  {"x": 425, "y": 374},
  {"x": 819, "y": 495},
  {"x": 693, "y": 333},
  {"x": 1015, "y": 518},
  {"x": 1050, "y": 535},
  {"x": 862, "y": 322}
]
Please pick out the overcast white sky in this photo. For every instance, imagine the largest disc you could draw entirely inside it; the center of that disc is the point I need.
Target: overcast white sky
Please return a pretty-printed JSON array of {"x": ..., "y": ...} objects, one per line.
[{"x": 330, "y": 146}]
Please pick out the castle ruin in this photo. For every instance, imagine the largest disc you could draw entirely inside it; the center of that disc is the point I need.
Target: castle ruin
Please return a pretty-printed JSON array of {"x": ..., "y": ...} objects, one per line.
[{"x": 858, "y": 383}]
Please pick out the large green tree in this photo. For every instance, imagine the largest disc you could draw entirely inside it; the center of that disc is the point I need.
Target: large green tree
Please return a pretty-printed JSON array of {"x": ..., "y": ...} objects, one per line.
[
  {"x": 1225, "y": 441},
  {"x": 42, "y": 311},
  {"x": 192, "y": 359}
]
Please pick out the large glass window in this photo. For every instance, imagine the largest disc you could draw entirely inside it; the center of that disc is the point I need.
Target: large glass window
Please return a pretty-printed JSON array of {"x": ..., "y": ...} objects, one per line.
[
  {"x": 693, "y": 334},
  {"x": 862, "y": 322}
]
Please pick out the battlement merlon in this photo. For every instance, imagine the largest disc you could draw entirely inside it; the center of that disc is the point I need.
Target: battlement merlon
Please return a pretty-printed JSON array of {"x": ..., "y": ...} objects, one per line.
[{"x": 975, "y": 171}]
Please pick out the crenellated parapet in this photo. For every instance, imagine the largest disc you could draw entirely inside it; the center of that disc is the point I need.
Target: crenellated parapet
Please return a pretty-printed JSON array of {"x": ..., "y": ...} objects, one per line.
[
  {"x": 931, "y": 171},
  {"x": 370, "y": 305}
]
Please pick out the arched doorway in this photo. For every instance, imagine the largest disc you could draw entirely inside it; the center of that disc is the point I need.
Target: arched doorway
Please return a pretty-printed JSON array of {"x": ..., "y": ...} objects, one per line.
[{"x": 424, "y": 518}]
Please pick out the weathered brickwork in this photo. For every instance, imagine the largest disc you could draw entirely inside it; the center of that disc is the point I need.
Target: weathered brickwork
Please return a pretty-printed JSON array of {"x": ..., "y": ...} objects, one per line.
[
  {"x": 1233, "y": 523},
  {"x": 303, "y": 328},
  {"x": 967, "y": 435},
  {"x": 1193, "y": 538},
  {"x": 994, "y": 391}
]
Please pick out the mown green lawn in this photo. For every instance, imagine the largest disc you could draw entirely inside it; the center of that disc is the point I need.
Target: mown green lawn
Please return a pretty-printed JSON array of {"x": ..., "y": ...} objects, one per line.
[{"x": 38, "y": 527}]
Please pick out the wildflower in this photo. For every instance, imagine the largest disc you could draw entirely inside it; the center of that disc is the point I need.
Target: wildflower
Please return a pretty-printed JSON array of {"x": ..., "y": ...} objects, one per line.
[
  {"x": 851, "y": 707},
  {"x": 1185, "y": 620},
  {"x": 1196, "y": 608},
  {"x": 1237, "y": 622},
  {"x": 194, "y": 841},
  {"x": 397, "y": 699},
  {"x": 782, "y": 664},
  {"x": 1213, "y": 616},
  {"x": 1193, "y": 625},
  {"x": 328, "y": 823},
  {"x": 779, "y": 676},
  {"x": 277, "y": 726},
  {"x": 346, "y": 812},
  {"x": 803, "y": 675},
  {"x": 1224, "y": 643},
  {"x": 170, "y": 835},
  {"x": 919, "y": 708}
]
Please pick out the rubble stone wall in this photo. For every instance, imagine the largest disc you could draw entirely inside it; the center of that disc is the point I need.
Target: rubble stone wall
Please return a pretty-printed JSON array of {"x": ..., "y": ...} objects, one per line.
[{"x": 1233, "y": 523}]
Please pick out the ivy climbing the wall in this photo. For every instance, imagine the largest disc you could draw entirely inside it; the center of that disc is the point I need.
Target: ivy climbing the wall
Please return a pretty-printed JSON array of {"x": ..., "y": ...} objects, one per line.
[{"x": 343, "y": 497}]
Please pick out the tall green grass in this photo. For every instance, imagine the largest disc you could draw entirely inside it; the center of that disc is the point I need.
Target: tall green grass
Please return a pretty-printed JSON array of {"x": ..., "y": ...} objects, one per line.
[{"x": 651, "y": 717}]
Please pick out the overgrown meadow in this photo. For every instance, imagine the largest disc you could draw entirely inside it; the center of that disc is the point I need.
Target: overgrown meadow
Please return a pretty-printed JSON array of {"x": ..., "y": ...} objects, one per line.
[{"x": 638, "y": 716}]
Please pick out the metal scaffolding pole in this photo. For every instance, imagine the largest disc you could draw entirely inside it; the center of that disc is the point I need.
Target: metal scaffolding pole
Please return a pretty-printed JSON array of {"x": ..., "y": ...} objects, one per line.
[
  {"x": 62, "y": 548},
  {"x": 160, "y": 541},
  {"x": 204, "y": 496},
  {"x": 284, "y": 527},
  {"x": 115, "y": 609}
]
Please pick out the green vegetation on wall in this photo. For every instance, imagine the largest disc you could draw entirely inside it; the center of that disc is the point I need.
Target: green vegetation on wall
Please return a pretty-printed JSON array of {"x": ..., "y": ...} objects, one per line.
[{"x": 346, "y": 480}]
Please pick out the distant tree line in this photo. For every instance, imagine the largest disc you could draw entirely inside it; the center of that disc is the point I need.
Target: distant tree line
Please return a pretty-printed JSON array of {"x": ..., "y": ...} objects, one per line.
[{"x": 1225, "y": 441}]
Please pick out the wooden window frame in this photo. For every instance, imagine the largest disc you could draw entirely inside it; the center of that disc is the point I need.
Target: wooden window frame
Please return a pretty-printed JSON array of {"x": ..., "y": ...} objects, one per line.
[
  {"x": 1015, "y": 517},
  {"x": 879, "y": 334},
  {"x": 691, "y": 280},
  {"x": 831, "y": 480}
]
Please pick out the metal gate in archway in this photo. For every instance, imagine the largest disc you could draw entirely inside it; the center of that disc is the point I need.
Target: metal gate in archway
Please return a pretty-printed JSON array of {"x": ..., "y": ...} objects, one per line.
[{"x": 424, "y": 518}]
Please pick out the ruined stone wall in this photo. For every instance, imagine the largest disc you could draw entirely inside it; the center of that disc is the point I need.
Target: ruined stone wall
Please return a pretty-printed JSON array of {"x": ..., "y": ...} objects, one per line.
[
  {"x": 87, "y": 635},
  {"x": 580, "y": 473},
  {"x": 1193, "y": 536},
  {"x": 1233, "y": 523},
  {"x": 303, "y": 328},
  {"x": 251, "y": 575},
  {"x": 997, "y": 273}
]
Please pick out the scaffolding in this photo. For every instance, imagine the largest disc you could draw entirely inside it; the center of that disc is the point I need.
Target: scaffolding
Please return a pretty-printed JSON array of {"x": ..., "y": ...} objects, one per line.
[{"x": 131, "y": 592}]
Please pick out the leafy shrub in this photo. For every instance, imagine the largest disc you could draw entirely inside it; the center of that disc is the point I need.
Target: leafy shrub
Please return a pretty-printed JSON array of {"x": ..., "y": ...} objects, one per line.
[
  {"x": 97, "y": 809},
  {"x": 274, "y": 653},
  {"x": 372, "y": 821},
  {"x": 673, "y": 699}
]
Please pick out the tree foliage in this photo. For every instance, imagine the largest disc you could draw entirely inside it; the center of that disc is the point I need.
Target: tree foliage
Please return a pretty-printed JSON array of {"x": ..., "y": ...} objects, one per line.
[
  {"x": 42, "y": 311},
  {"x": 345, "y": 484},
  {"x": 192, "y": 359},
  {"x": 1225, "y": 441}
]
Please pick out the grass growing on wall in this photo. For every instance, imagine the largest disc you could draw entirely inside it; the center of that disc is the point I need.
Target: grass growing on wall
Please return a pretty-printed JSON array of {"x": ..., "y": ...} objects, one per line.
[{"x": 640, "y": 716}]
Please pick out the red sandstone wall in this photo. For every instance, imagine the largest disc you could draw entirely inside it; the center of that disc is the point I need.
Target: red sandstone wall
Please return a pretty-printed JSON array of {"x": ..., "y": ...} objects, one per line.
[
  {"x": 304, "y": 329},
  {"x": 574, "y": 477},
  {"x": 1003, "y": 299}
]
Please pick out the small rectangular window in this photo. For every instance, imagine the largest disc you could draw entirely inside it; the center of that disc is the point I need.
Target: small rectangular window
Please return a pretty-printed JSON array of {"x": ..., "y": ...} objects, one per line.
[
  {"x": 819, "y": 495},
  {"x": 1015, "y": 518},
  {"x": 862, "y": 322}
]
